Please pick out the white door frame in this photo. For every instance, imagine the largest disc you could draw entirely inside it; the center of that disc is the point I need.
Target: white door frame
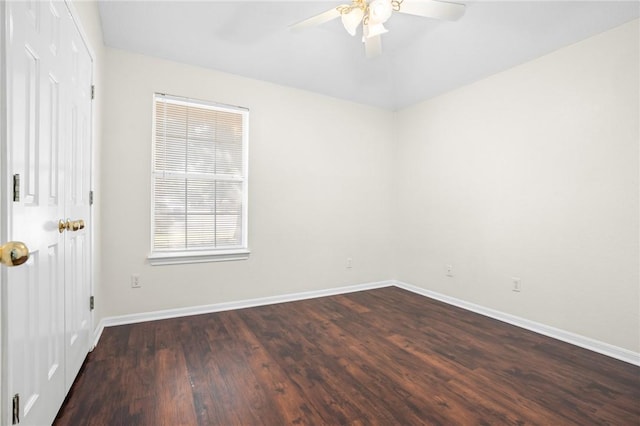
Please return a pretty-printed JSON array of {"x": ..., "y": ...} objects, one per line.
[
  {"x": 4, "y": 198},
  {"x": 5, "y": 185}
]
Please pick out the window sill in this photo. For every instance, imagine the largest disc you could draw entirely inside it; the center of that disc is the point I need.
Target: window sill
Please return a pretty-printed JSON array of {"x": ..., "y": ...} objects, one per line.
[{"x": 177, "y": 258}]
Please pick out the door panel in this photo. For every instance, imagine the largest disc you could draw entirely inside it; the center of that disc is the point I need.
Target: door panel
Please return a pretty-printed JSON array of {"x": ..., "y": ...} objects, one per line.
[
  {"x": 35, "y": 310},
  {"x": 31, "y": 143},
  {"x": 77, "y": 319},
  {"x": 45, "y": 302},
  {"x": 78, "y": 267}
]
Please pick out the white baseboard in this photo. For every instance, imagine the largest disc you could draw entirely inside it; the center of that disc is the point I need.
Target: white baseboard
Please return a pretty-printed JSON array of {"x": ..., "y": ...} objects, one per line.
[
  {"x": 97, "y": 333},
  {"x": 556, "y": 333},
  {"x": 228, "y": 306}
]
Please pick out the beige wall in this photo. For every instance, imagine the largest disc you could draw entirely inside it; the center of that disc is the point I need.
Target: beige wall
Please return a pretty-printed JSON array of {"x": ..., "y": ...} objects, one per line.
[
  {"x": 319, "y": 186},
  {"x": 531, "y": 173}
]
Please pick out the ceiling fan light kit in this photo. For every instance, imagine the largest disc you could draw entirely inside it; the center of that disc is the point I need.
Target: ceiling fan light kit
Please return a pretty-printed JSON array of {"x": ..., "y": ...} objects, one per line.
[
  {"x": 381, "y": 10},
  {"x": 372, "y": 14},
  {"x": 351, "y": 20}
]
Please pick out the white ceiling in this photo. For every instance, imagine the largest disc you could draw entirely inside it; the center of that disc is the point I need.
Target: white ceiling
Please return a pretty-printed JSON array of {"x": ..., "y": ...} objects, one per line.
[{"x": 421, "y": 57}]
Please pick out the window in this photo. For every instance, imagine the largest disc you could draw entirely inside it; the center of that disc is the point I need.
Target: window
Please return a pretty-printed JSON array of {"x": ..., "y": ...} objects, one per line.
[{"x": 199, "y": 181}]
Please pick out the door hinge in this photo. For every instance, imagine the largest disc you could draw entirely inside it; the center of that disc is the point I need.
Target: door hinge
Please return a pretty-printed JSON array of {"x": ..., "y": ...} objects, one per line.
[
  {"x": 16, "y": 187},
  {"x": 90, "y": 198},
  {"x": 91, "y": 303},
  {"x": 93, "y": 91},
  {"x": 16, "y": 409}
]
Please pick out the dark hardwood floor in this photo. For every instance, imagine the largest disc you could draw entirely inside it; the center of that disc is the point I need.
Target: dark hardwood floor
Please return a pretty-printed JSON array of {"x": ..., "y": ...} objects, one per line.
[{"x": 383, "y": 356}]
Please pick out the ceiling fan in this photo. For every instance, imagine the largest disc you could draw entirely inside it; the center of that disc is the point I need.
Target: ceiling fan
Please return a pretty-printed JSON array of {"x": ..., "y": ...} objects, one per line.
[{"x": 372, "y": 14}]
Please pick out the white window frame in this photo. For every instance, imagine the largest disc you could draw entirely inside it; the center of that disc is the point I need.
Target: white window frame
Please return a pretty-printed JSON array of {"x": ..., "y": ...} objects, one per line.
[{"x": 171, "y": 257}]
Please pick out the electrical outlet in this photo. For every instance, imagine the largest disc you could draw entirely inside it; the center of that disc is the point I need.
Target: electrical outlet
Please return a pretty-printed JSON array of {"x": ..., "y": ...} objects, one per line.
[
  {"x": 135, "y": 281},
  {"x": 516, "y": 284},
  {"x": 449, "y": 269},
  {"x": 349, "y": 263}
]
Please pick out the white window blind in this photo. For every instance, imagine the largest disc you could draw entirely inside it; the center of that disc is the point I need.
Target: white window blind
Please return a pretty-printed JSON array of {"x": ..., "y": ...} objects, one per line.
[{"x": 199, "y": 179}]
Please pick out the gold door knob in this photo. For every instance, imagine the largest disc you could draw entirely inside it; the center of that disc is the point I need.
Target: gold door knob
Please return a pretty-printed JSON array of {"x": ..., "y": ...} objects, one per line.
[
  {"x": 70, "y": 225},
  {"x": 76, "y": 225},
  {"x": 13, "y": 253}
]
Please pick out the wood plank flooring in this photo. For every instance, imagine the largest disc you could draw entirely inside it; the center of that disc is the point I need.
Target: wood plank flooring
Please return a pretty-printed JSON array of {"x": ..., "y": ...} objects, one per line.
[{"x": 384, "y": 356}]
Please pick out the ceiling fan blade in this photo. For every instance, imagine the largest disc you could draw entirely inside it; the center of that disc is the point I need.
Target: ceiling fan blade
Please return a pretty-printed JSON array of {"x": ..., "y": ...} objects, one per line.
[
  {"x": 373, "y": 46},
  {"x": 433, "y": 9},
  {"x": 316, "y": 20}
]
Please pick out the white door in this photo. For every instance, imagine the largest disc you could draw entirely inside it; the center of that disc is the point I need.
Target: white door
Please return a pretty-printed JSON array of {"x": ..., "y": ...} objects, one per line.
[
  {"x": 77, "y": 208},
  {"x": 45, "y": 302}
]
